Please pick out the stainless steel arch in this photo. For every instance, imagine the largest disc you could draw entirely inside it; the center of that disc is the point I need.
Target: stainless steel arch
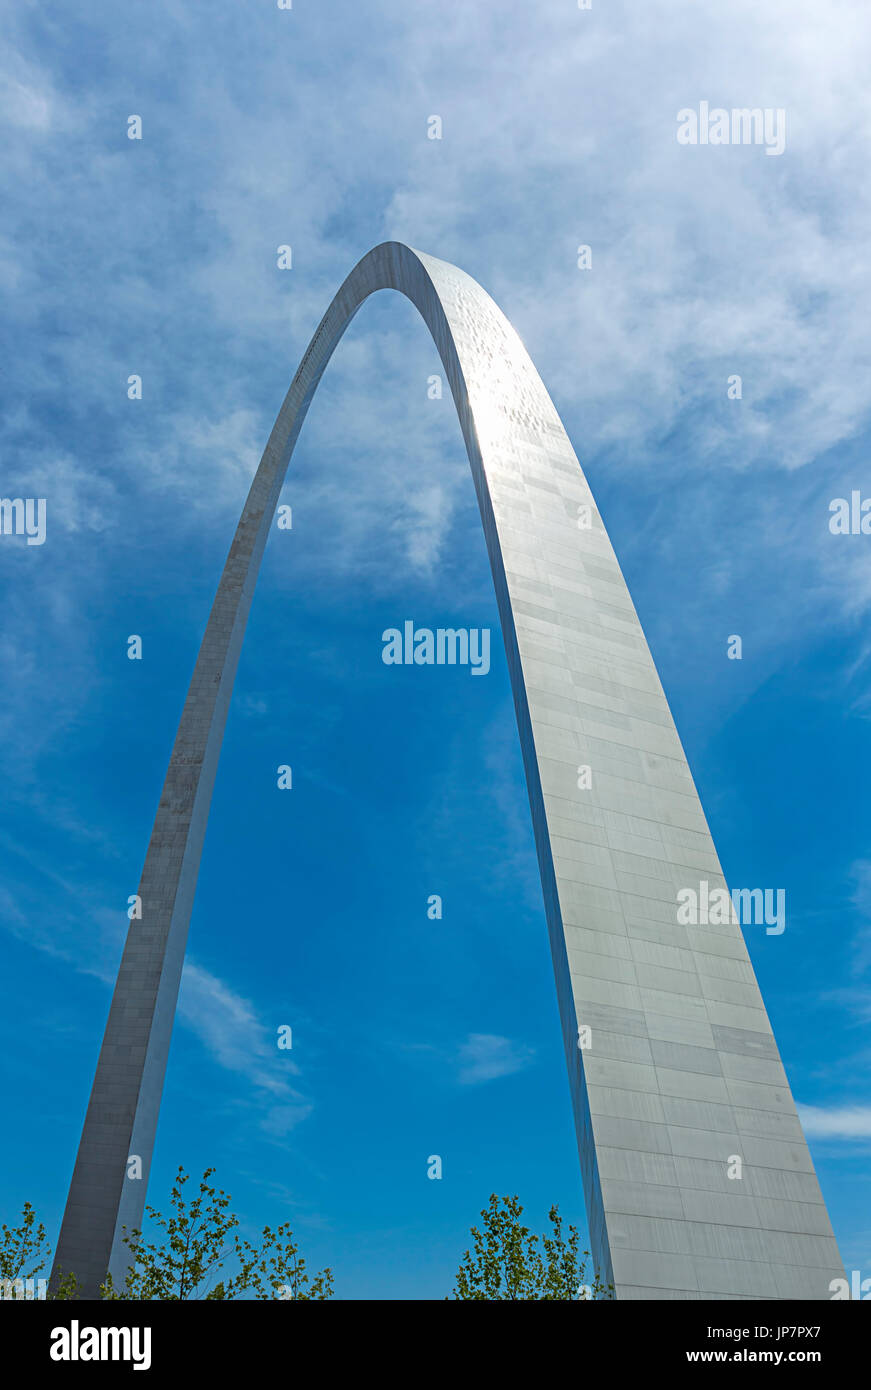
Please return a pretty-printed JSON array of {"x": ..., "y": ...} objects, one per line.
[{"x": 679, "y": 1072}]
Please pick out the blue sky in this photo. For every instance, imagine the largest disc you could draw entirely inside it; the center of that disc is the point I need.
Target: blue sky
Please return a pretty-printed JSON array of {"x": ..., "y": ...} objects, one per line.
[{"x": 157, "y": 257}]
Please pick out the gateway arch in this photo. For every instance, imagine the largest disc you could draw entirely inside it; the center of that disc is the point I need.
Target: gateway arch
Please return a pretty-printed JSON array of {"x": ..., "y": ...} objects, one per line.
[{"x": 697, "y": 1177}]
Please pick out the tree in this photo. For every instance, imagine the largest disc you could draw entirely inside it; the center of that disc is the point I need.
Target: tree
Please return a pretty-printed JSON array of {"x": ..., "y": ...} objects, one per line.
[
  {"x": 24, "y": 1253},
  {"x": 196, "y": 1247},
  {"x": 508, "y": 1264}
]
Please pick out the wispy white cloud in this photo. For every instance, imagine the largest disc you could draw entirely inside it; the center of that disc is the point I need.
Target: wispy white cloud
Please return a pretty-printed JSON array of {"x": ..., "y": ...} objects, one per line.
[
  {"x": 226, "y": 1023},
  {"x": 837, "y": 1122},
  {"x": 486, "y": 1056},
  {"x": 230, "y": 1030},
  {"x": 860, "y": 873}
]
